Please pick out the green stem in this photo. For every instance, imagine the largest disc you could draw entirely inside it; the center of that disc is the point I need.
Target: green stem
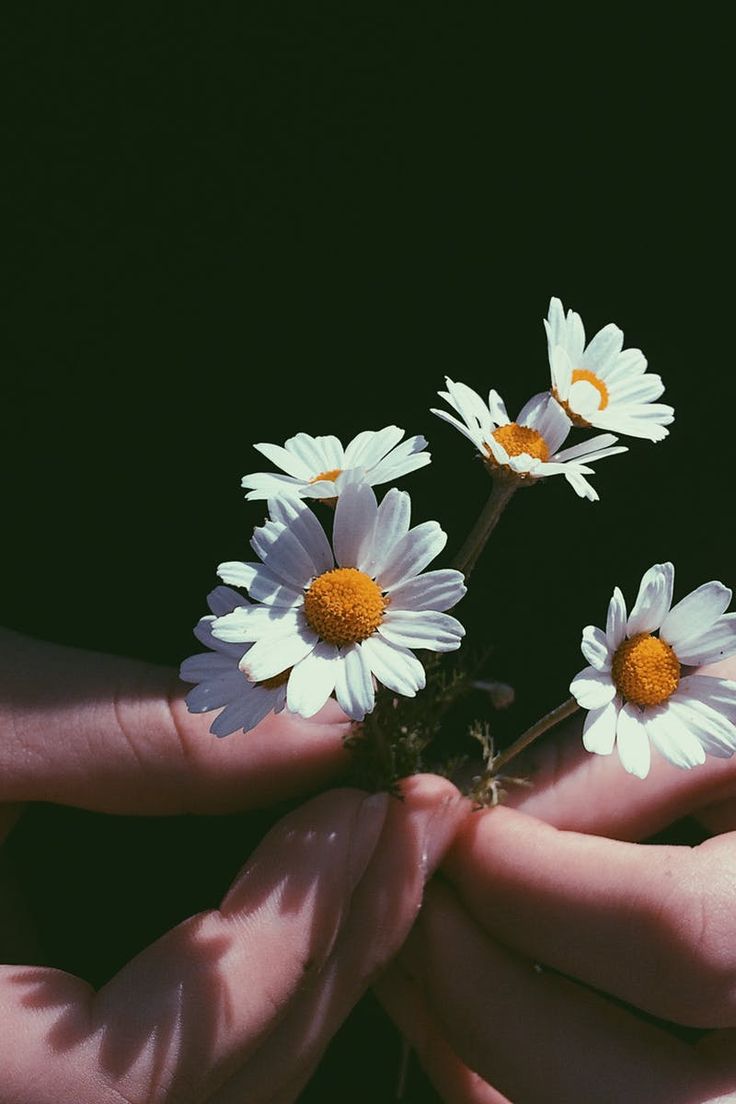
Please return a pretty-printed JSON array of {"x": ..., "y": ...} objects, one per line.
[
  {"x": 467, "y": 557},
  {"x": 549, "y": 720}
]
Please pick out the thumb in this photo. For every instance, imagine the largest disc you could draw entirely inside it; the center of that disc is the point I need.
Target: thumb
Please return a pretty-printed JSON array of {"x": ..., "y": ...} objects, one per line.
[{"x": 114, "y": 735}]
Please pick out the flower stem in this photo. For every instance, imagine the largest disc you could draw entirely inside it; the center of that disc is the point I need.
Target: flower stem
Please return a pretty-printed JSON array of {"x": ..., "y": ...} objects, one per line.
[
  {"x": 467, "y": 557},
  {"x": 549, "y": 720}
]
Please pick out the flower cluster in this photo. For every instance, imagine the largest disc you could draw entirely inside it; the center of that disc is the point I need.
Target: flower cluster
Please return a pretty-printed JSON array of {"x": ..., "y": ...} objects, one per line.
[{"x": 340, "y": 610}]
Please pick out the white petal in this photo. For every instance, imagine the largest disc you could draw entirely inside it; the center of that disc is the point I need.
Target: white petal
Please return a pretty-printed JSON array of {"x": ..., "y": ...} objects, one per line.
[
  {"x": 671, "y": 736},
  {"x": 312, "y": 680},
  {"x": 473, "y": 435},
  {"x": 208, "y": 667},
  {"x": 236, "y": 573},
  {"x": 354, "y": 688},
  {"x": 223, "y": 600},
  {"x": 550, "y": 420},
  {"x": 574, "y": 337},
  {"x": 372, "y": 449},
  {"x": 580, "y": 485},
  {"x": 276, "y": 652},
  {"x": 497, "y": 408},
  {"x": 592, "y": 689},
  {"x": 285, "y": 460},
  {"x": 392, "y": 525},
  {"x": 653, "y": 600},
  {"x": 354, "y": 449},
  {"x": 405, "y": 458},
  {"x": 254, "y": 622},
  {"x": 632, "y": 742},
  {"x": 245, "y": 713},
  {"x": 303, "y": 523},
  {"x": 439, "y": 632},
  {"x": 599, "y": 730},
  {"x": 469, "y": 406},
  {"x": 355, "y": 520},
  {"x": 396, "y": 668},
  {"x": 214, "y": 693},
  {"x": 717, "y": 642},
  {"x": 266, "y": 587},
  {"x": 283, "y": 554},
  {"x": 718, "y": 693},
  {"x": 595, "y": 648},
  {"x": 639, "y": 389},
  {"x": 317, "y": 454},
  {"x": 412, "y": 554},
  {"x": 436, "y": 590},
  {"x": 203, "y": 633},
  {"x": 560, "y": 371},
  {"x": 555, "y": 322},
  {"x": 695, "y": 614},
  {"x": 616, "y": 620},
  {"x": 603, "y": 349},
  {"x": 629, "y": 363},
  {"x": 268, "y": 484},
  {"x": 716, "y": 734},
  {"x": 584, "y": 448}
]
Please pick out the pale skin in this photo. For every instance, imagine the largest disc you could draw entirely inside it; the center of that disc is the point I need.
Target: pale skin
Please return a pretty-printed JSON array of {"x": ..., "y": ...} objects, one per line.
[
  {"x": 558, "y": 885},
  {"x": 239, "y": 1003}
]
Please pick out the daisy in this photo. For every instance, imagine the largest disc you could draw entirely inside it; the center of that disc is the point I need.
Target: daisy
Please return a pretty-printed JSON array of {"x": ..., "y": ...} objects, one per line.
[
  {"x": 636, "y": 688},
  {"x": 527, "y": 449},
  {"x": 319, "y": 467},
  {"x": 338, "y": 621},
  {"x": 220, "y": 679},
  {"x": 602, "y": 384}
]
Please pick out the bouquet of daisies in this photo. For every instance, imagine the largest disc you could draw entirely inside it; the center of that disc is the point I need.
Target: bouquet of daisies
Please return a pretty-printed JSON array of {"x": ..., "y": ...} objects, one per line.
[{"x": 341, "y": 601}]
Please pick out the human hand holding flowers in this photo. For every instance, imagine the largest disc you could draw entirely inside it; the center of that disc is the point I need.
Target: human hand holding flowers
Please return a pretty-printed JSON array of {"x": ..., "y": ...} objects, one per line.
[{"x": 240, "y": 1001}]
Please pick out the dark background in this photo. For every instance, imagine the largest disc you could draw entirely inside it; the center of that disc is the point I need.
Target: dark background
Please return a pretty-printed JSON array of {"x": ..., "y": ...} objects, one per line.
[{"x": 228, "y": 223}]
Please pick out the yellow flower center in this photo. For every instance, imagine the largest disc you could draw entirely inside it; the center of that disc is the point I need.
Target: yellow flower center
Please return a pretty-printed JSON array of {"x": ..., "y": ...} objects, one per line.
[
  {"x": 587, "y": 377},
  {"x": 344, "y": 606},
  {"x": 332, "y": 474},
  {"x": 646, "y": 670},
  {"x": 517, "y": 439}
]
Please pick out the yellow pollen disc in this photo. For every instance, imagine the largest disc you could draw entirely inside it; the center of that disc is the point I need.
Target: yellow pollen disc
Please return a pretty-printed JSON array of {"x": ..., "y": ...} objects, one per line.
[
  {"x": 591, "y": 378},
  {"x": 275, "y": 681},
  {"x": 332, "y": 474},
  {"x": 646, "y": 670},
  {"x": 344, "y": 606},
  {"x": 517, "y": 439}
]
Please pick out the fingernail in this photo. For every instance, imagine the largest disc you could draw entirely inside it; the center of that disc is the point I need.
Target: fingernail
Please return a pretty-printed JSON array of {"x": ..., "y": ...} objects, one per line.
[{"x": 367, "y": 827}]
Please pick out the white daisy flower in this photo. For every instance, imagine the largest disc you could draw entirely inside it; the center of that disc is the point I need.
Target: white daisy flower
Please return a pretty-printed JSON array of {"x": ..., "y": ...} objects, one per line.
[
  {"x": 221, "y": 682},
  {"x": 635, "y": 688},
  {"x": 319, "y": 467},
  {"x": 336, "y": 622},
  {"x": 527, "y": 449},
  {"x": 602, "y": 384}
]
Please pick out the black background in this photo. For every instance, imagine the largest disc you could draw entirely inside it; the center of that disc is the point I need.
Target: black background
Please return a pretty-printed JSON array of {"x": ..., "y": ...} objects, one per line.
[{"x": 228, "y": 223}]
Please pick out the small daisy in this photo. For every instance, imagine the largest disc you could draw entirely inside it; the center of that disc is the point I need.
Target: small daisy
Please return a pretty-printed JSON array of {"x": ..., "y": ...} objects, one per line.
[
  {"x": 220, "y": 679},
  {"x": 319, "y": 467},
  {"x": 526, "y": 449},
  {"x": 635, "y": 688},
  {"x": 602, "y": 384},
  {"x": 333, "y": 622}
]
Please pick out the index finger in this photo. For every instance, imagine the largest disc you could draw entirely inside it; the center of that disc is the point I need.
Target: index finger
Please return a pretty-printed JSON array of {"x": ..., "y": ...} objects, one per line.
[{"x": 114, "y": 735}]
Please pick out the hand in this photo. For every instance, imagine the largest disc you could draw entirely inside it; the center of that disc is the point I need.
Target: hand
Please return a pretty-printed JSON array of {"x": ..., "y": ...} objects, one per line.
[
  {"x": 237, "y": 1003},
  {"x": 505, "y": 985}
]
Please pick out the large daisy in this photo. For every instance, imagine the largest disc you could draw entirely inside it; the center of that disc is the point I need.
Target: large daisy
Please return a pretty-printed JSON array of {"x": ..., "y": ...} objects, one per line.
[
  {"x": 340, "y": 621},
  {"x": 220, "y": 680},
  {"x": 529, "y": 448},
  {"x": 319, "y": 467},
  {"x": 602, "y": 384},
  {"x": 637, "y": 688}
]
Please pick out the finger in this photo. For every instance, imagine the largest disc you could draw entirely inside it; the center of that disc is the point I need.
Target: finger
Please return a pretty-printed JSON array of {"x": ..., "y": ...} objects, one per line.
[
  {"x": 114, "y": 735},
  {"x": 417, "y": 833},
  {"x": 575, "y": 789},
  {"x": 539, "y": 1037},
  {"x": 403, "y": 999},
  {"x": 652, "y": 925},
  {"x": 195, "y": 1007}
]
